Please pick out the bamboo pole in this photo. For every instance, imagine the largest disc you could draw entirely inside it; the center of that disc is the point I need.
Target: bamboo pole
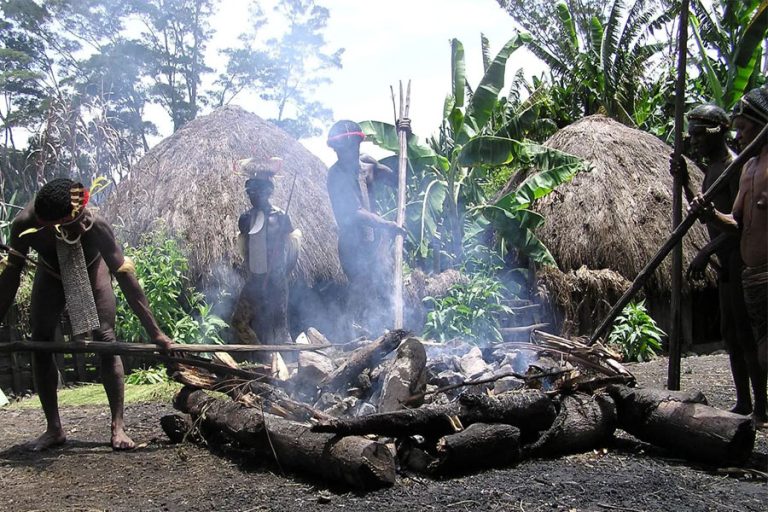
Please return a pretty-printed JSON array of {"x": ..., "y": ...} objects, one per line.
[
  {"x": 677, "y": 235},
  {"x": 675, "y": 342},
  {"x": 122, "y": 348},
  {"x": 402, "y": 136}
]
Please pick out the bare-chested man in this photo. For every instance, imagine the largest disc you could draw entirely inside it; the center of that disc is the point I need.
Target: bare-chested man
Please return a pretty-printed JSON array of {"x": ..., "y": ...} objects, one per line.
[
  {"x": 364, "y": 236},
  {"x": 750, "y": 217},
  {"x": 708, "y": 127},
  {"x": 79, "y": 256}
]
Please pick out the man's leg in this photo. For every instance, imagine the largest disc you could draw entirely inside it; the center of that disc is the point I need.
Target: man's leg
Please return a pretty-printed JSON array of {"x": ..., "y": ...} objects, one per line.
[
  {"x": 112, "y": 374},
  {"x": 47, "y": 304},
  {"x": 755, "y": 296},
  {"x": 732, "y": 334}
]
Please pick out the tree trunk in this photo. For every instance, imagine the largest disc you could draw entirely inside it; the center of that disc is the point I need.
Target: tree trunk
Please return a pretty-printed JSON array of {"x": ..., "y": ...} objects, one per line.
[
  {"x": 529, "y": 410},
  {"x": 480, "y": 446},
  {"x": 683, "y": 424},
  {"x": 353, "y": 461},
  {"x": 584, "y": 423}
]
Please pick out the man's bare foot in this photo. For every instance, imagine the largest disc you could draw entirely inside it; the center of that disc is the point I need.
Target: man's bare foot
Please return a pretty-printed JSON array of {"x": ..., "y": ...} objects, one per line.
[
  {"x": 121, "y": 441},
  {"x": 49, "y": 439}
]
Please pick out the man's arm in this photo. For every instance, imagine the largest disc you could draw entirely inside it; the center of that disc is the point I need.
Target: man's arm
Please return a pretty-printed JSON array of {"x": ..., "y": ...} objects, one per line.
[
  {"x": 10, "y": 276},
  {"x": 347, "y": 207},
  {"x": 126, "y": 278}
]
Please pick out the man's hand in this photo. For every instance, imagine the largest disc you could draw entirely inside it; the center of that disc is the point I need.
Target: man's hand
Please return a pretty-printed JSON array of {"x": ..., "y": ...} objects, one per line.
[
  {"x": 678, "y": 167},
  {"x": 703, "y": 209},
  {"x": 697, "y": 268},
  {"x": 163, "y": 341},
  {"x": 393, "y": 228}
]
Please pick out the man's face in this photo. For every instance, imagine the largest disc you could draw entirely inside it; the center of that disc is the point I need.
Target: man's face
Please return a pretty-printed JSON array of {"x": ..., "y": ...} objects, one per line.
[
  {"x": 746, "y": 131},
  {"x": 347, "y": 148},
  {"x": 259, "y": 195},
  {"x": 703, "y": 143}
]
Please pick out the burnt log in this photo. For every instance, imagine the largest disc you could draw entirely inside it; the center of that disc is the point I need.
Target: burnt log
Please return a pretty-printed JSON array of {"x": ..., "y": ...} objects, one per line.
[
  {"x": 178, "y": 428},
  {"x": 479, "y": 446},
  {"x": 351, "y": 461},
  {"x": 406, "y": 376},
  {"x": 682, "y": 424},
  {"x": 364, "y": 357},
  {"x": 529, "y": 410},
  {"x": 583, "y": 423}
]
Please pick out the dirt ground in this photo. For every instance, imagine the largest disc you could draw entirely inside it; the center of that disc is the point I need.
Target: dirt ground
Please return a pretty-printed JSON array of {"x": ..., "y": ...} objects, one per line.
[{"x": 86, "y": 475}]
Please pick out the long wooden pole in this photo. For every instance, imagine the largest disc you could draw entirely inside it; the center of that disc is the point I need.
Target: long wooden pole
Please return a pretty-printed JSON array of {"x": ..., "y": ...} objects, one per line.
[
  {"x": 677, "y": 235},
  {"x": 402, "y": 136},
  {"x": 122, "y": 348},
  {"x": 675, "y": 332}
]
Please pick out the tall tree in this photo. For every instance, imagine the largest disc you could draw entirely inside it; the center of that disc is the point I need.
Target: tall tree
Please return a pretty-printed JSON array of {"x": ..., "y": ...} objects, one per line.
[{"x": 175, "y": 34}]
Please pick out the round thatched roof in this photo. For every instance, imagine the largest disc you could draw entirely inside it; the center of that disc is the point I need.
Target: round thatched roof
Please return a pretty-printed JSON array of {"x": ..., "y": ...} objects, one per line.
[
  {"x": 618, "y": 215},
  {"x": 188, "y": 183}
]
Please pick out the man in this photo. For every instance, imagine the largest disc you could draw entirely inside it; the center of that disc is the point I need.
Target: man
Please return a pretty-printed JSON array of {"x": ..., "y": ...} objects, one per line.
[
  {"x": 750, "y": 217},
  {"x": 77, "y": 257},
  {"x": 364, "y": 236},
  {"x": 270, "y": 247},
  {"x": 708, "y": 129}
]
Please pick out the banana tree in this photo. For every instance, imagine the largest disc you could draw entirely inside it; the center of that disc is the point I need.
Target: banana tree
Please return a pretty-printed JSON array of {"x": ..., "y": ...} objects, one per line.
[
  {"x": 449, "y": 170},
  {"x": 730, "y": 35}
]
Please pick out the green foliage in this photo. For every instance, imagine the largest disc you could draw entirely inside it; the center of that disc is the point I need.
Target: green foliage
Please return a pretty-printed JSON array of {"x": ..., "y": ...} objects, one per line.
[
  {"x": 635, "y": 334},
  {"x": 729, "y": 37},
  {"x": 449, "y": 176},
  {"x": 148, "y": 376},
  {"x": 469, "y": 311},
  {"x": 178, "y": 308}
]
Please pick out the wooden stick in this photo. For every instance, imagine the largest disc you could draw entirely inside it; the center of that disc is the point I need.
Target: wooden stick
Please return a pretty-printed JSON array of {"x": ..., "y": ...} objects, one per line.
[
  {"x": 402, "y": 136},
  {"x": 673, "y": 369},
  {"x": 677, "y": 235},
  {"x": 121, "y": 348}
]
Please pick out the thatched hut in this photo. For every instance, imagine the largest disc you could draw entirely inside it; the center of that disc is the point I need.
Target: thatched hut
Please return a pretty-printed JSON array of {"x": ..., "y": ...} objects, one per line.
[
  {"x": 190, "y": 184},
  {"x": 617, "y": 216}
]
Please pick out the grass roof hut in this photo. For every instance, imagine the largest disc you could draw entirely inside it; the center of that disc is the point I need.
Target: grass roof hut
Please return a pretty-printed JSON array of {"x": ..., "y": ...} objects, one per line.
[
  {"x": 190, "y": 184},
  {"x": 612, "y": 220}
]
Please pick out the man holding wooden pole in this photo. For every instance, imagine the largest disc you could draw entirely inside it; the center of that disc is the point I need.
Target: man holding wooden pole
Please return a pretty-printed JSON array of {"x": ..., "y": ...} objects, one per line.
[
  {"x": 749, "y": 217},
  {"x": 77, "y": 258},
  {"x": 364, "y": 236}
]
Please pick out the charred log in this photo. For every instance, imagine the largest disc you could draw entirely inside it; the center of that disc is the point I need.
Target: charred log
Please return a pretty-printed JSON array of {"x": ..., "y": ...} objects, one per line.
[
  {"x": 683, "y": 424},
  {"x": 584, "y": 423},
  {"x": 405, "y": 377},
  {"x": 353, "y": 461},
  {"x": 364, "y": 357},
  {"x": 529, "y": 410},
  {"x": 480, "y": 446}
]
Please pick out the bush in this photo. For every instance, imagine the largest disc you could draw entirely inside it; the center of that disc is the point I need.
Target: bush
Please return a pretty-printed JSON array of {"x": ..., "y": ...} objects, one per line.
[
  {"x": 148, "y": 376},
  {"x": 469, "y": 311},
  {"x": 635, "y": 334},
  {"x": 179, "y": 309}
]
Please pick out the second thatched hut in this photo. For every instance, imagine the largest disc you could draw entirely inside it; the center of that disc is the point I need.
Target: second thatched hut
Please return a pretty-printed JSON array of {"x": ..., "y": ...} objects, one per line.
[{"x": 605, "y": 225}]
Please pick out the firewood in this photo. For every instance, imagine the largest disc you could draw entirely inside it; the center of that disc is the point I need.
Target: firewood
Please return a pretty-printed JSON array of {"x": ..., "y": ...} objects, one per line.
[
  {"x": 178, "y": 428},
  {"x": 405, "y": 377},
  {"x": 353, "y": 461},
  {"x": 583, "y": 423},
  {"x": 529, "y": 410},
  {"x": 367, "y": 356},
  {"x": 480, "y": 446},
  {"x": 681, "y": 423}
]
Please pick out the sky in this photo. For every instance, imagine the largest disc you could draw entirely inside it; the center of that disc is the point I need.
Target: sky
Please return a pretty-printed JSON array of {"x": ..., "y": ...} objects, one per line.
[{"x": 387, "y": 41}]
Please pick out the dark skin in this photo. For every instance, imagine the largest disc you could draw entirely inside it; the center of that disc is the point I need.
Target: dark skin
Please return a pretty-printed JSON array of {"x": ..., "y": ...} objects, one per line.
[
  {"x": 749, "y": 218},
  {"x": 710, "y": 148},
  {"x": 105, "y": 257}
]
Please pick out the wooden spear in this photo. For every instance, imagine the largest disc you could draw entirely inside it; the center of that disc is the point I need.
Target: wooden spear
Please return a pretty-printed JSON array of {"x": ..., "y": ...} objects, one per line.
[
  {"x": 402, "y": 136},
  {"x": 673, "y": 368}
]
